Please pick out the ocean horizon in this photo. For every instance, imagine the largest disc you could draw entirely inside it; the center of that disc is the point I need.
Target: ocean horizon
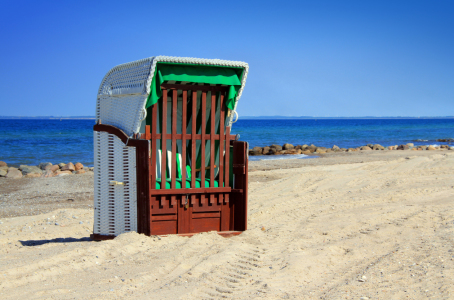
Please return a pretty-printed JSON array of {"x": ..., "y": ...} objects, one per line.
[{"x": 31, "y": 141}]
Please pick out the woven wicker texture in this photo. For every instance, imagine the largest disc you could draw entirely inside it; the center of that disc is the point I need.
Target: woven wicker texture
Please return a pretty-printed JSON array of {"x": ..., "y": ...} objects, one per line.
[
  {"x": 115, "y": 205},
  {"x": 122, "y": 111},
  {"x": 134, "y": 79}
]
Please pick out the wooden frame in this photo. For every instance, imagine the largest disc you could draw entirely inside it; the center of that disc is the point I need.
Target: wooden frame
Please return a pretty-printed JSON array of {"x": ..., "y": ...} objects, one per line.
[{"x": 187, "y": 211}]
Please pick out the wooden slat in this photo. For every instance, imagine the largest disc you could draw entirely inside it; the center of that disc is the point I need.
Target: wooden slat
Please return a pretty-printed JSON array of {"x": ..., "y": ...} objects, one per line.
[
  {"x": 185, "y": 87},
  {"x": 193, "y": 142},
  {"x": 173, "y": 166},
  {"x": 227, "y": 163},
  {"x": 174, "y": 140},
  {"x": 164, "y": 218},
  {"x": 221, "y": 142},
  {"x": 183, "y": 140},
  {"x": 154, "y": 120},
  {"x": 202, "y": 151},
  {"x": 212, "y": 133},
  {"x": 203, "y": 215},
  {"x": 164, "y": 140}
]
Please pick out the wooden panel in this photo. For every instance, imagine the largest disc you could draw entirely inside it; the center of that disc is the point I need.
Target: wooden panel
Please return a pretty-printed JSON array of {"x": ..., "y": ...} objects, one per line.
[
  {"x": 164, "y": 217},
  {"x": 240, "y": 164},
  {"x": 143, "y": 188},
  {"x": 164, "y": 227},
  {"x": 206, "y": 215},
  {"x": 226, "y": 216},
  {"x": 184, "y": 217},
  {"x": 161, "y": 205},
  {"x": 207, "y": 224},
  {"x": 192, "y": 191}
]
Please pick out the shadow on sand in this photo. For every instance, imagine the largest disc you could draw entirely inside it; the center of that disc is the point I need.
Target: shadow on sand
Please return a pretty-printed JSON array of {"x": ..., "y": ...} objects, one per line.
[{"x": 32, "y": 243}]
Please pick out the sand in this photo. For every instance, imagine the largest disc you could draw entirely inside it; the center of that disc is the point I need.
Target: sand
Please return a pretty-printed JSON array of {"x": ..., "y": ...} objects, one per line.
[{"x": 353, "y": 226}]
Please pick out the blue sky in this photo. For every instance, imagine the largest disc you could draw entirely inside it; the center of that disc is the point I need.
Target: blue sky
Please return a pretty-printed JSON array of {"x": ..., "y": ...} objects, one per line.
[{"x": 306, "y": 58}]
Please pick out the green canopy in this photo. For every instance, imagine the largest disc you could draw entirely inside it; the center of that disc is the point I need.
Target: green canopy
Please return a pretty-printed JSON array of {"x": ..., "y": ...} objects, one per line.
[{"x": 230, "y": 76}]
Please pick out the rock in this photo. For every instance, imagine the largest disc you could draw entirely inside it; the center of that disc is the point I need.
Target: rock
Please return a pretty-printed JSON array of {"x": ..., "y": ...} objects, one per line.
[
  {"x": 280, "y": 152},
  {"x": 288, "y": 147},
  {"x": 299, "y": 151},
  {"x": 343, "y": 149},
  {"x": 47, "y": 174},
  {"x": 91, "y": 169},
  {"x": 68, "y": 167},
  {"x": 80, "y": 171},
  {"x": 277, "y": 147},
  {"x": 272, "y": 151},
  {"x": 328, "y": 150},
  {"x": 351, "y": 150},
  {"x": 61, "y": 165},
  {"x": 3, "y": 173},
  {"x": 13, "y": 173},
  {"x": 403, "y": 147},
  {"x": 45, "y": 166},
  {"x": 370, "y": 146},
  {"x": 304, "y": 147},
  {"x": 410, "y": 145},
  {"x": 306, "y": 152},
  {"x": 451, "y": 148},
  {"x": 289, "y": 151},
  {"x": 63, "y": 172},
  {"x": 5, "y": 168},
  {"x": 30, "y": 170},
  {"x": 320, "y": 151},
  {"x": 265, "y": 150},
  {"x": 32, "y": 175},
  {"x": 311, "y": 148},
  {"x": 335, "y": 148},
  {"x": 78, "y": 166},
  {"x": 390, "y": 147},
  {"x": 298, "y": 147},
  {"x": 254, "y": 151},
  {"x": 366, "y": 148},
  {"x": 378, "y": 147},
  {"x": 3, "y": 164},
  {"x": 444, "y": 147},
  {"x": 430, "y": 148},
  {"x": 54, "y": 168}
]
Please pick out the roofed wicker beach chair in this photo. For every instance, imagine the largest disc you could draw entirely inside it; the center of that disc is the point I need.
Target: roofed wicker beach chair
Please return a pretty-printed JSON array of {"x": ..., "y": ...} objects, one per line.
[{"x": 165, "y": 160}]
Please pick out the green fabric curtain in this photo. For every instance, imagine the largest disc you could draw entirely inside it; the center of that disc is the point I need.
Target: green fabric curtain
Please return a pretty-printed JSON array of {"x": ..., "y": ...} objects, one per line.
[{"x": 198, "y": 74}]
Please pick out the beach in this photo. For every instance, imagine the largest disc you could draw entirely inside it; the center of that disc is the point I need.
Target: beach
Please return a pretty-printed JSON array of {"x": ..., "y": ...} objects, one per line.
[{"x": 344, "y": 225}]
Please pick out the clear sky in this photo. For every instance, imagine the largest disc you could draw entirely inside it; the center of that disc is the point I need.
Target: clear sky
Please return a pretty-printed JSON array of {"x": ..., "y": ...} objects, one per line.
[{"x": 306, "y": 58}]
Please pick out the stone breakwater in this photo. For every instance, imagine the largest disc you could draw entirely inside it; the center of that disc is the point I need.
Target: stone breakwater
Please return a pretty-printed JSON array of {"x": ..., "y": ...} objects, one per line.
[
  {"x": 312, "y": 149},
  {"x": 43, "y": 170}
]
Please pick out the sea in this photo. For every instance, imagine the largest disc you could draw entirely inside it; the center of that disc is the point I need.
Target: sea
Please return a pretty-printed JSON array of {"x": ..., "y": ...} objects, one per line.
[{"x": 32, "y": 141}]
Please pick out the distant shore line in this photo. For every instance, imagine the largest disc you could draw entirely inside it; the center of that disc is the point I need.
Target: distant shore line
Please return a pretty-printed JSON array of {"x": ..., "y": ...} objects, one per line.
[{"x": 289, "y": 149}]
